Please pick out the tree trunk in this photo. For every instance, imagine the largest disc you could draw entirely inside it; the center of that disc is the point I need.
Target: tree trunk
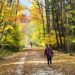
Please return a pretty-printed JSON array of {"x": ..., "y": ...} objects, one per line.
[
  {"x": 47, "y": 10},
  {"x": 59, "y": 32},
  {"x": 53, "y": 18},
  {"x": 42, "y": 17}
]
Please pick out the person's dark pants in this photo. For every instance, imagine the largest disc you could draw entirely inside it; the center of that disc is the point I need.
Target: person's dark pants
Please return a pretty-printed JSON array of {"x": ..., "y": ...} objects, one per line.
[{"x": 49, "y": 60}]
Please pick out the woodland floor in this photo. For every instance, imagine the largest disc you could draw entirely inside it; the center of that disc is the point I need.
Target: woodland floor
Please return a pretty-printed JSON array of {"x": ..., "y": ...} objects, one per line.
[{"x": 32, "y": 62}]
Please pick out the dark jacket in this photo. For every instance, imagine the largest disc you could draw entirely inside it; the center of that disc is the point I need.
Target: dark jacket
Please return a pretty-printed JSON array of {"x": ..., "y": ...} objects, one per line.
[{"x": 48, "y": 52}]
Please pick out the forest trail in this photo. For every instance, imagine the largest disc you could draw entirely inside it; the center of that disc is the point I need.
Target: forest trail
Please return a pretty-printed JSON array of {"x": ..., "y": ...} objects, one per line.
[{"x": 29, "y": 62}]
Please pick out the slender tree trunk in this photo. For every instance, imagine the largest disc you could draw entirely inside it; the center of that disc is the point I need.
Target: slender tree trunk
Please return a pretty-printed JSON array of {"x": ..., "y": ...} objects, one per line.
[
  {"x": 1, "y": 10},
  {"x": 47, "y": 15},
  {"x": 58, "y": 28},
  {"x": 62, "y": 25},
  {"x": 42, "y": 17},
  {"x": 2, "y": 35},
  {"x": 53, "y": 18},
  {"x": 3, "y": 31},
  {"x": 1, "y": 6}
]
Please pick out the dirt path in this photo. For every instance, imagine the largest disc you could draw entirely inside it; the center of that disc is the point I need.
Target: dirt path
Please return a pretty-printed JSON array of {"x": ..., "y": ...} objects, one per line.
[{"x": 27, "y": 63}]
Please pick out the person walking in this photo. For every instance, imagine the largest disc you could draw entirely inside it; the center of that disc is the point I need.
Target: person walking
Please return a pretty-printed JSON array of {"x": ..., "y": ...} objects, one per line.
[
  {"x": 31, "y": 44},
  {"x": 48, "y": 53}
]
